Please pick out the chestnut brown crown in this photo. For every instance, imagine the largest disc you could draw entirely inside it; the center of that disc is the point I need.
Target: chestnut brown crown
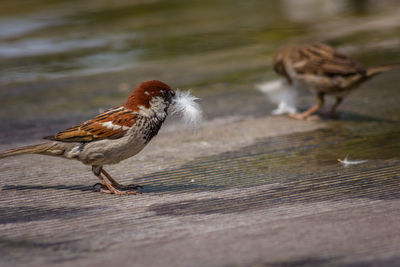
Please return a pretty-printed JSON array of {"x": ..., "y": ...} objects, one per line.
[{"x": 145, "y": 91}]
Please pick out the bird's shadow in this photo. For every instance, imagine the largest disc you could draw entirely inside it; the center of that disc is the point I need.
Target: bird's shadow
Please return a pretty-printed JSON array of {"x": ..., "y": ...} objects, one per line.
[
  {"x": 79, "y": 187},
  {"x": 175, "y": 188},
  {"x": 356, "y": 117},
  {"x": 146, "y": 188},
  {"x": 16, "y": 214}
]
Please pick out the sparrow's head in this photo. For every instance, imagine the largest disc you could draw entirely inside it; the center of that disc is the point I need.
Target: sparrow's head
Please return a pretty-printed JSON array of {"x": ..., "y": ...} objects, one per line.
[
  {"x": 154, "y": 98},
  {"x": 150, "y": 93}
]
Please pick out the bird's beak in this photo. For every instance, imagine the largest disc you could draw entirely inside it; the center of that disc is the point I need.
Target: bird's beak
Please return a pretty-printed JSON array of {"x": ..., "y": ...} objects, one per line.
[{"x": 172, "y": 96}]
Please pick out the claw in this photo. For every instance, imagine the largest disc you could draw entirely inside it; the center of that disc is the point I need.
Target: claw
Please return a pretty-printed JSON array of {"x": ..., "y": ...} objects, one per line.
[
  {"x": 301, "y": 116},
  {"x": 297, "y": 116},
  {"x": 97, "y": 187},
  {"x": 334, "y": 115},
  {"x": 118, "y": 192},
  {"x": 113, "y": 187},
  {"x": 117, "y": 189},
  {"x": 127, "y": 187},
  {"x": 329, "y": 114}
]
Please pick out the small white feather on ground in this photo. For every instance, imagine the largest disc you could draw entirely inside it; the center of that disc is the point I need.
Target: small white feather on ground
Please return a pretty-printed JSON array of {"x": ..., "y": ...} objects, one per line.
[
  {"x": 347, "y": 162},
  {"x": 185, "y": 105},
  {"x": 281, "y": 93}
]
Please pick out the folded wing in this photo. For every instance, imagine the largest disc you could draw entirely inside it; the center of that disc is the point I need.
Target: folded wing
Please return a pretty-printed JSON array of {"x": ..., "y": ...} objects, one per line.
[
  {"x": 112, "y": 124},
  {"x": 322, "y": 59}
]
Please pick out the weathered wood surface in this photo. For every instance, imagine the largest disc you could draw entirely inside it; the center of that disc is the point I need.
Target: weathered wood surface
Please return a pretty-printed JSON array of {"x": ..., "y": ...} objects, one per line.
[{"x": 238, "y": 193}]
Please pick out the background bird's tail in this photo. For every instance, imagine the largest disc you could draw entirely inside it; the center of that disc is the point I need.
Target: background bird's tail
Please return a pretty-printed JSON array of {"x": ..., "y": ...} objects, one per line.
[
  {"x": 33, "y": 149},
  {"x": 376, "y": 70}
]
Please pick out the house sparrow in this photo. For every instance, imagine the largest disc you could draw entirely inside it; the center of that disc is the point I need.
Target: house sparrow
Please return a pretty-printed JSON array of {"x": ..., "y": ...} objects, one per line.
[
  {"x": 117, "y": 134},
  {"x": 323, "y": 69}
]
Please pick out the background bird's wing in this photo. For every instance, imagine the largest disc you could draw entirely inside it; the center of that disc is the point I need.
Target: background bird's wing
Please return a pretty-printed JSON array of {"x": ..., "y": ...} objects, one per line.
[
  {"x": 112, "y": 124},
  {"x": 323, "y": 59}
]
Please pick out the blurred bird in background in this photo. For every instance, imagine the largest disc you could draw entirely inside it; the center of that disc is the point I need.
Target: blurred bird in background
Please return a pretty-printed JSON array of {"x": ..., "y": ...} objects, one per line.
[{"x": 324, "y": 70}]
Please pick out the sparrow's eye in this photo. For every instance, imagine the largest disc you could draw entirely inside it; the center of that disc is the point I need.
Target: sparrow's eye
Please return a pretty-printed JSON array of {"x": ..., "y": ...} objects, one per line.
[{"x": 168, "y": 92}]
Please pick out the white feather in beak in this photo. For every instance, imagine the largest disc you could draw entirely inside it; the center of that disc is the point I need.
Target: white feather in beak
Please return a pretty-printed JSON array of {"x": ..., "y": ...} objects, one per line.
[{"x": 186, "y": 106}]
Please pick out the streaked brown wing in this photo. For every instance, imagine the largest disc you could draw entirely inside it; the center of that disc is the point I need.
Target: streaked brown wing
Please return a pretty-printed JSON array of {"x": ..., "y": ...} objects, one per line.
[
  {"x": 322, "y": 59},
  {"x": 112, "y": 124}
]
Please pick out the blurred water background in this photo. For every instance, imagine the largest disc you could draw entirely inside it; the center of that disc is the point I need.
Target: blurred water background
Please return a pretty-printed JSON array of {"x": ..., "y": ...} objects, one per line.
[{"x": 64, "y": 61}]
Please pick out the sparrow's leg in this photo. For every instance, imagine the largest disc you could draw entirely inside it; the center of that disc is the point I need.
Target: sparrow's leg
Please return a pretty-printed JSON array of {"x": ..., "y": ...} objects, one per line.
[
  {"x": 118, "y": 185},
  {"x": 310, "y": 111},
  {"x": 333, "y": 112},
  {"x": 110, "y": 188}
]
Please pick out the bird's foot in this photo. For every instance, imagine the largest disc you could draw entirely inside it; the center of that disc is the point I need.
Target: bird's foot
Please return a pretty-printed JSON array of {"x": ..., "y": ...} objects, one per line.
[
  {"x": 127, "y": 187},
  {"x": 117, "y": 189},
  {"x": 329, "y": 114},
  {"x": 297, "y": 116},
  {"x": 118, "y": 192},
  {"x": 334, "y": 115},
  {"x": 302, "y": 116}
]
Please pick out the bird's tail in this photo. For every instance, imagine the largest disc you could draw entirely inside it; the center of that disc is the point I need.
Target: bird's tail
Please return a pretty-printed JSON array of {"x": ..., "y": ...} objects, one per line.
[
  {"x": 376, "y": 70},
  {"x": 33, "y": 149}
]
